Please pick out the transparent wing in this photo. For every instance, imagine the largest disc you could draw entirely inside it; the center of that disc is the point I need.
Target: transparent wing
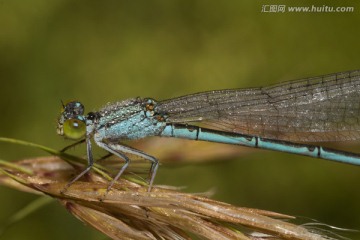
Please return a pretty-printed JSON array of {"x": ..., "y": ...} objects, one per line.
[{"x": 325, "y": 108}]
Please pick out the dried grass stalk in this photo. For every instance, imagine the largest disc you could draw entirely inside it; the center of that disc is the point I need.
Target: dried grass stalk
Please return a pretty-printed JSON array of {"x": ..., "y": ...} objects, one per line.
[{"x": 128, "y": 211}]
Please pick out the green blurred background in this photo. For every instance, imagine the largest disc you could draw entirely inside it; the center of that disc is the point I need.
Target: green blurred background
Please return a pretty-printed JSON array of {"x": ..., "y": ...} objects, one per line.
[{"x": 101, "y": 51}]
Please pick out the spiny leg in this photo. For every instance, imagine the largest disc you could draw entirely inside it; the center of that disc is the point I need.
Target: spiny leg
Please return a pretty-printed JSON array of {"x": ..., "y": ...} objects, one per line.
[
  {"x": 87, "y": 169},
  {"x": 110, "y": 148},
  {"x": 119, "y": 151},
  {"x": 153, "y": 160}
]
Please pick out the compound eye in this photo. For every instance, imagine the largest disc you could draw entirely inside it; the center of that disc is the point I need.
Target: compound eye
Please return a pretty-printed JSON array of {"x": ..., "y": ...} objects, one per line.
[{"x": 74, "y": 128}]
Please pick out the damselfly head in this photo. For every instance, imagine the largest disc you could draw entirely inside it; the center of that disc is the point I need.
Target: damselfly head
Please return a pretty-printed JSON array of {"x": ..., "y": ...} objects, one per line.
[{"x": 72, "y": 122}]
